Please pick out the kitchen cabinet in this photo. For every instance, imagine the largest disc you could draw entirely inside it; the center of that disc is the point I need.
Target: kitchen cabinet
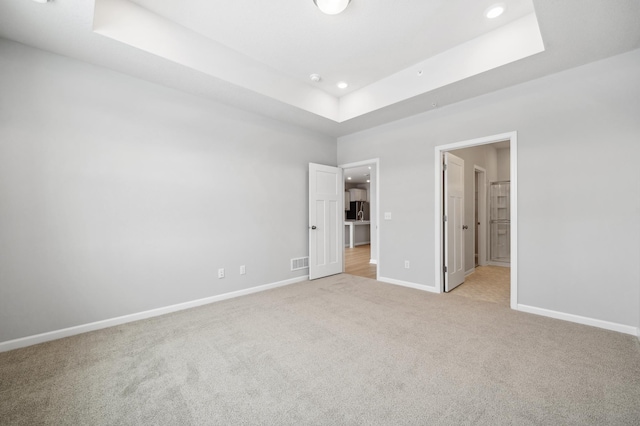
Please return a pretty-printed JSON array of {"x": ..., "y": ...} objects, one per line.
[{"x": 358, "y": 194}]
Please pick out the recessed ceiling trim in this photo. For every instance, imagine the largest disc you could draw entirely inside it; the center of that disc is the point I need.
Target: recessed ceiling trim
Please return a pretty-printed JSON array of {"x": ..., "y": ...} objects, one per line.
[
  {"x": 129, "y": 23},
  {"x": 133, "y": 25},
  {"x": 499, "y": 47}
]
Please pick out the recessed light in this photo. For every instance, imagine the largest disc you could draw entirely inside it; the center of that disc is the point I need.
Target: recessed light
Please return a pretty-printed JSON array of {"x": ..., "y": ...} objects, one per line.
[
  {"x": 42, "y": 1},
  {"x": 495, "y": 11},
  {"x": 342, "y": 85},
  {"x": 332, "y": 7},
  {"x": 348, "y": 177},
  {"x": 315, "y": 77},
  {"x": 368, "y": 181}
]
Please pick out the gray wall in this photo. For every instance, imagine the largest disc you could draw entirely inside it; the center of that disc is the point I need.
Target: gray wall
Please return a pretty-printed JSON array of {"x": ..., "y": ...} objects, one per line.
[
  {"x": 118, "y": 196},
  {"x": 504, "y": 163},
  {"x": 578, "y": 193}
]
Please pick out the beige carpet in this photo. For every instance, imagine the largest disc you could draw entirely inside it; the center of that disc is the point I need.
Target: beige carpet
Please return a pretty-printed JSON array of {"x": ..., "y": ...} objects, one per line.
[
  {"x": 487, "y": 283},
  {"x": 341, "y": 350}
]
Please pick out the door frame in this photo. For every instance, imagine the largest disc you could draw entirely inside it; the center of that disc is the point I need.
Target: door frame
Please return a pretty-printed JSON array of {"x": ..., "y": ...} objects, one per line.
[
  {"x": 512, "y": 137},
  {"x": 375, "y": 162},
  {"x": 482, "y": 215}
]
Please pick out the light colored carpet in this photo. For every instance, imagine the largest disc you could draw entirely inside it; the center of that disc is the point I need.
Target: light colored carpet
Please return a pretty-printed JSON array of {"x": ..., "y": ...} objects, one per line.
[
  {"x": 340, "y": 350},
  {"x": 487, "y": 283}
]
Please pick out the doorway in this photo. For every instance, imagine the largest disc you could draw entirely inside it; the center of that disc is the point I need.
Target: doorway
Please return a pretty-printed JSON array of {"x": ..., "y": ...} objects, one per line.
[
  {"x": 361, "y": 219},
  {"x": 476, "y": 181}
]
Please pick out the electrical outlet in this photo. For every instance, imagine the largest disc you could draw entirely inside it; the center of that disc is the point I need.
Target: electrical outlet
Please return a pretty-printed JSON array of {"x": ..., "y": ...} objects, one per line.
[
  {"x": 221, "y": 273},
  {"x": 387, "y": 215},
  {"x": 406, "y": 264},
  {"x": 243, "y": 269}
]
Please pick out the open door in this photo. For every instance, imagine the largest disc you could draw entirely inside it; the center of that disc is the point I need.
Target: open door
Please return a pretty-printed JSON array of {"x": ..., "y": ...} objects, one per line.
[
  {"x": 326, "y": 220},
  {"x": 454, "y": 221}
]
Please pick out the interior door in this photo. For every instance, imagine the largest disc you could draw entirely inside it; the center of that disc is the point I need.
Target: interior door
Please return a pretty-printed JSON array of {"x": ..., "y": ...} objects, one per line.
[
  {"x": 454, "y": 225},
  {"x": 326, "y": 220}
]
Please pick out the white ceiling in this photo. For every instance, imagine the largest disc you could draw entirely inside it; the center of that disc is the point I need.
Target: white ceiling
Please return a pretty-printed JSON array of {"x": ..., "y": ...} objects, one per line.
[
  {"x": 257, "y": 55},
  {"x": 370, "y": 40},
  {"x": 357, "y": 174}
]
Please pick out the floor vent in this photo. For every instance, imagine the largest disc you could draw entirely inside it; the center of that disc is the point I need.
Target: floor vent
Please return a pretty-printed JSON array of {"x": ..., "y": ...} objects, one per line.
[{"x": 299, "y": 263}]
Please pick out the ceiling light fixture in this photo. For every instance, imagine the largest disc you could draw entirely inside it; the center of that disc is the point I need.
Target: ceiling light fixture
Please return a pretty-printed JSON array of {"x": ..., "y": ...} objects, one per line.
[
  {"x": 332, "y": 7},
  {"x": 342, "y": 85},
  {"x": 495, "y": 11},
  {"x": 42, "y": 1},
  {"x": 315, "y": 78}
]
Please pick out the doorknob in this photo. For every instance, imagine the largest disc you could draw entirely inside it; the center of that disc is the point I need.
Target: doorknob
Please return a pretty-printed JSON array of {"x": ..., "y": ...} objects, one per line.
[
  {"x": 465, "y": 227},
  {"x": 313, "y": 227}
]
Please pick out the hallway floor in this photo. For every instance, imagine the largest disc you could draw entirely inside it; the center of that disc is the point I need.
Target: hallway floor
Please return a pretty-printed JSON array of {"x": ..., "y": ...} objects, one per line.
[
  {"x": 356, "y": 261},
  {"x": 487, "y": 283}
]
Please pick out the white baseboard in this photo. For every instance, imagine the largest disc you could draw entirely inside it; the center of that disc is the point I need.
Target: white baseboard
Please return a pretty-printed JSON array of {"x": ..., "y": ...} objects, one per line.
[
  {"x": 362, "y": 243},
  {"x": 408, "y": 284},
  {"x": 621, "y": 328},
  {"x": 470, "y": 271},
  {"x": 373, "y": 261},
  {"x": 79, "y": 329},
  {"x": 503, "y": 264}
]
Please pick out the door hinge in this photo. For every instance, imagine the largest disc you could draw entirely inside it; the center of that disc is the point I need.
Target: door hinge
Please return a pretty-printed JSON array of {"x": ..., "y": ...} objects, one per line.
[
  {"x": 444, "y": 167},
  {"x": 444, "y": 218},
  {"x": 445, "y": 269}
]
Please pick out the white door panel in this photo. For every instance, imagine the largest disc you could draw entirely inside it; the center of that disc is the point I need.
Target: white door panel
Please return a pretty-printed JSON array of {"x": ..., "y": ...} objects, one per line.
[
  {"x": 326, "y": 195},
  {"x": 454, "y": 212}
]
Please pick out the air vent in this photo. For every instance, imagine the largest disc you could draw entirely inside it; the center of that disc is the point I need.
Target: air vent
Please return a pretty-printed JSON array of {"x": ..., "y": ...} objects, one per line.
[{"x": 299, "y": 263}]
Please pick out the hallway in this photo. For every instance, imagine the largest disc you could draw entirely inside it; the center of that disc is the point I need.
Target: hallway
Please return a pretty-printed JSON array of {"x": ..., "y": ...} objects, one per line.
[
  {"x": 487, "y": 283},
  {"x": 356, "y": 261}
]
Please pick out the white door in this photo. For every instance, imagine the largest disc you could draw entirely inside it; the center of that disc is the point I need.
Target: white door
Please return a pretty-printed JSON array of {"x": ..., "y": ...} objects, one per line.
[
  {"x": 454, "y": 225},
  {"x": 326, "y": 220}
]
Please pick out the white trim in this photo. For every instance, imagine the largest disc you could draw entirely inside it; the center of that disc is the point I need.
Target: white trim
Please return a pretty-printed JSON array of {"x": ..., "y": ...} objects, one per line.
[
  {"x": 373, "y": 161},
  {"x": 373, "y": 261},
  {"x": 408, "y": 284},
  {"x": 470, "y": 271},
  {"x": 501, "y": 264},
  {"x": 513, "y": 174},
  {"x": 98, "y": 325},
  {"x": 483, "y": 246},
  {"x": 363, "y": 243},
  {"x": 438, "y": 226},
  {"x": 621, "y": 328}
]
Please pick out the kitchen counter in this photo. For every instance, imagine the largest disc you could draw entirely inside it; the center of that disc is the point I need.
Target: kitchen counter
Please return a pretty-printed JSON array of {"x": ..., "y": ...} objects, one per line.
[{"x": 352, "y": 224}]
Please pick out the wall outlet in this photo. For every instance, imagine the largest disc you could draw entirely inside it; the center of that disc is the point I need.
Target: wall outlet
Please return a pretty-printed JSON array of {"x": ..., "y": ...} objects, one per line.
[
  {"x": 243, "y": 269},
  {"x": 221, "y": 273},
  {"x": 406, "y": 264},
  {"x": 387, "y": 215}
]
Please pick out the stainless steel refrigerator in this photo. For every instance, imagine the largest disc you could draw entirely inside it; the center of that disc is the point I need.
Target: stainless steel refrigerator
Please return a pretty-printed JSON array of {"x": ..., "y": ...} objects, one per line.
[{"x": 500, "y": 222}]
